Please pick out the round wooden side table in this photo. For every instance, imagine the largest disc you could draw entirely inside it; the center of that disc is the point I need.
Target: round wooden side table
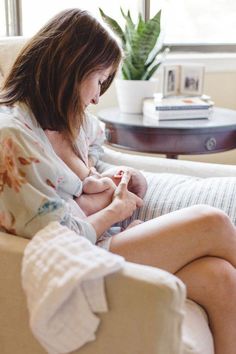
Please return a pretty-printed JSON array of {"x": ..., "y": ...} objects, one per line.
[{"x": 173, "y": 137}]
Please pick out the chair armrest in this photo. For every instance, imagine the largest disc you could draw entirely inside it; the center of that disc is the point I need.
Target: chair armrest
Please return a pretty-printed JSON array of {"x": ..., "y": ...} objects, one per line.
[
  {"x": 163, "y": 165},
  {"x": 145, "y": 313},
  {"x": 145, "y": 309}
]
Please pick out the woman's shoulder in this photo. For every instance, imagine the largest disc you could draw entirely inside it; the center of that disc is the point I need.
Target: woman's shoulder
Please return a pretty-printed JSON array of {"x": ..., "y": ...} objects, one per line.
[
  {"x": 19, "y": 121},
  {"x": 12, "y": 118},
  {"x": 18, "y": 132}
]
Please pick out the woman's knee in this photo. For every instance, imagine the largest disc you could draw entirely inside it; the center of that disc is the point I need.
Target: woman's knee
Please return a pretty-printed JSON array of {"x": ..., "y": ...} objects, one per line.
[
  {"x": 219, "y": 272},
  {"x": 214, "y": 220},
  {"x": 210, "y": 281},
  {"x": 208, "y": 211},
  {"x": 220, "y": 278}
]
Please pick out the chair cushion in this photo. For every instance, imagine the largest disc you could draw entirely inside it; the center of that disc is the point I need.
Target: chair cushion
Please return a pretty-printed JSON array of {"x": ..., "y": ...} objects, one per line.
[{"x": 197, "y": 337}]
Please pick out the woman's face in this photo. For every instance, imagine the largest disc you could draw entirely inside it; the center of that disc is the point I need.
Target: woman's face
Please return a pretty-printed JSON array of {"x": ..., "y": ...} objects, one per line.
[{"x": 91, "y": 87}]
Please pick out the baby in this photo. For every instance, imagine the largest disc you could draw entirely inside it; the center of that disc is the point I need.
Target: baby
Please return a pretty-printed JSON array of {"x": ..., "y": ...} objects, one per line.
[
  {"x": 101, "y": 189},
  {"x": 98, "y": 193}
]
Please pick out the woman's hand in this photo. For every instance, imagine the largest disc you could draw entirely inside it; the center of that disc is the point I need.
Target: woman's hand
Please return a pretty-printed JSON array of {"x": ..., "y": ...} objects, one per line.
[
  {"x": 137, "y": 183},
  {"x": 125, "y": 202}
]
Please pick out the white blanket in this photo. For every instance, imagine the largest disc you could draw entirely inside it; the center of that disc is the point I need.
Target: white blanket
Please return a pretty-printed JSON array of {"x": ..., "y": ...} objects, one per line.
[{"x": 62, "y": 276}]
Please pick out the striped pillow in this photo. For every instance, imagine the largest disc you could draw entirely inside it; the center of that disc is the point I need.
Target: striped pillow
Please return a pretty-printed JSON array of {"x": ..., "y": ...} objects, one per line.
[{"x": 169, "y": 192}]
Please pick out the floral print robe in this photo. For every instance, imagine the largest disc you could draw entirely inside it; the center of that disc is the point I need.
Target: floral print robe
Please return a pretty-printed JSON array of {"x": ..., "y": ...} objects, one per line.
[{"x": 36, "y": 186}]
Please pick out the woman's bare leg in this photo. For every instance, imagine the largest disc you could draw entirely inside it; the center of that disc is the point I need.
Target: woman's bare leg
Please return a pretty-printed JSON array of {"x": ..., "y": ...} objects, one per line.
[
  {"x": 176, "y": 239},
  {"x": 198, "y": 244},
  {"x": 211, "y": 282}
]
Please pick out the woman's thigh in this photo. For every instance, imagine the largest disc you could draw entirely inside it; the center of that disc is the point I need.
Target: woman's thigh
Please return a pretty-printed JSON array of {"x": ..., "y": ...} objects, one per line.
[{"x": 173, "y": 240}]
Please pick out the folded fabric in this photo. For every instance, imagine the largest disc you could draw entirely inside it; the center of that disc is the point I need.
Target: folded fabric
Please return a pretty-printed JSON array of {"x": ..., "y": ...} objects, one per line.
[{"x": 63, "y": 279}]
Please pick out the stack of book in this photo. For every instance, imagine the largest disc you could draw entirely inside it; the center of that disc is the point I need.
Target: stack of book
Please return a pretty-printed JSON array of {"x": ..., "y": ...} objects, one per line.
[{"x": 173, "y": 108}]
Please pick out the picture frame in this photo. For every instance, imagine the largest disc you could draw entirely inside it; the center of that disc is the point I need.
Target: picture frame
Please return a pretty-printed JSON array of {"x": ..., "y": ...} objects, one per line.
[
  {"x": 170, "y": 80},
  {"x": 184, "y": 80},
  {"x": 191, "y": 82}
]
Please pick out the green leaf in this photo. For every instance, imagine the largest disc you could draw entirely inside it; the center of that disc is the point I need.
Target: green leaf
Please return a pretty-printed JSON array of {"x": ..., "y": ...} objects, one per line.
[
  {"x": 141, "y": 44},
  {"x": 125, "y": 73},
  {"x": 153, "y": 57},
  {"x": 127, "y": 17},
  {"x": 113, "y": 25},
  {"x": 149, "y": 36},
  {"x": 141, "y": 24},
  {"x": 129, "y": 26},
  {"x": 138, "y": 42},
  {"x": 150, "y": 73},
  {"x": 134, "y": 72}
]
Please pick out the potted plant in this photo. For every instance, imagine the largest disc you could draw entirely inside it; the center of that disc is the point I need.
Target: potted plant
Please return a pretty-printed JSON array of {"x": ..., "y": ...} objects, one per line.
[{"x": 141, "y": 45}]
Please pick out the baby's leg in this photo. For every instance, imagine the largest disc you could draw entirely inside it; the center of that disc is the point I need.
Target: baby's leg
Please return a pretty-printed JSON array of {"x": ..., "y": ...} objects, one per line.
[
  {"x": 94, "y": 184},
  {"x": 97, "y": 194}
]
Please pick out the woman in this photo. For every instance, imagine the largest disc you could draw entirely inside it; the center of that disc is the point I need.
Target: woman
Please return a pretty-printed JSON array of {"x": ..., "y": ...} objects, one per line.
[{"x": 65, "y": 67}]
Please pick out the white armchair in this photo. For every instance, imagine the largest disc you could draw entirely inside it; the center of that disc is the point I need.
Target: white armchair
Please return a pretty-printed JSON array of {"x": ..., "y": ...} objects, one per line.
[{"x": 148, "y": 311}]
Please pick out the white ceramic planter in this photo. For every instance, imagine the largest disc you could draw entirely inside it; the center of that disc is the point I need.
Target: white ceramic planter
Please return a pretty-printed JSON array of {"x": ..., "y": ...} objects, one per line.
[{"x": 130, "y": 94}]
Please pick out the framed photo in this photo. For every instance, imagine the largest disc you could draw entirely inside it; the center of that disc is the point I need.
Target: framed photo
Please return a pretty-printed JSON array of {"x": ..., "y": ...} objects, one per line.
[
  {"x": 170, "y": 80},
  {"x": 191, "y": 80},
  {"x": 184, "y": 80}
]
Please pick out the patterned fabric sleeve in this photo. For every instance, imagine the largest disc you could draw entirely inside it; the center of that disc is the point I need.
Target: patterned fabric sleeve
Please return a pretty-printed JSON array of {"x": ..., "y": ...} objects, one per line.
[
  {"x": 29, "y": 180},
  {"x": 96, "y": 137}
]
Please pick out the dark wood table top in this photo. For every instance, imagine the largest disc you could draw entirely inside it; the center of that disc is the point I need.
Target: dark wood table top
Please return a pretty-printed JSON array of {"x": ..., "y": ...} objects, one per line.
[{"x": 173, "y": 137}]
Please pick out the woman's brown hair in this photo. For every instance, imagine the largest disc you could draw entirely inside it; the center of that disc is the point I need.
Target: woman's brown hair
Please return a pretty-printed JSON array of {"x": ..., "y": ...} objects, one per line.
[{"x": 48, "y": 72}]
